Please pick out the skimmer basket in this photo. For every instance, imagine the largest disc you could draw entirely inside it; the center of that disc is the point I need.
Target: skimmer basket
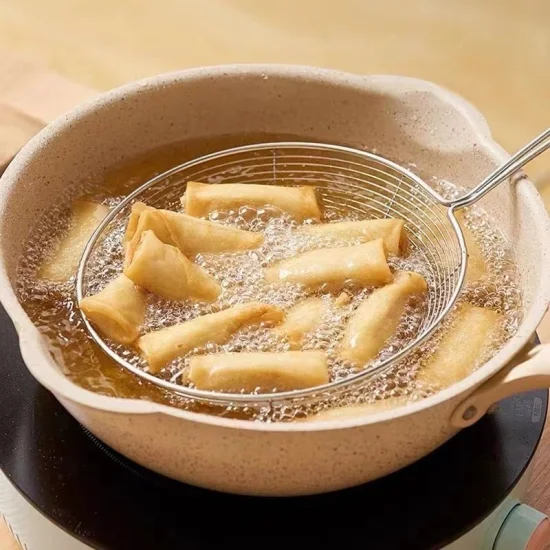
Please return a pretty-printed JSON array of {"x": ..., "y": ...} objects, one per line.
[{"x": 344, "y": 178}]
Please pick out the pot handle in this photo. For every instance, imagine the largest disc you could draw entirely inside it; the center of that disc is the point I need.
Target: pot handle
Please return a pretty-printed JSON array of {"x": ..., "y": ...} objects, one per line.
[{"x": 530, "y": 370}]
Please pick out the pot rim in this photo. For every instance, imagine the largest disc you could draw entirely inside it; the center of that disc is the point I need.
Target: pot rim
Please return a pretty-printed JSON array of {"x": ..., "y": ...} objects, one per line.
[{"x": 33, "y": 348}]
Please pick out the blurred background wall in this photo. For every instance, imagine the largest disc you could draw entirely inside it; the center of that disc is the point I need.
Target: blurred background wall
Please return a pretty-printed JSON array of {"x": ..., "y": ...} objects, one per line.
[{"x": 496, "y": 53}]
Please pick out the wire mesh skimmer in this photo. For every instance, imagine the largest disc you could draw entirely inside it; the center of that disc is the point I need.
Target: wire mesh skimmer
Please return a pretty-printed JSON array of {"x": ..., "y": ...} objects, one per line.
[{"x": 344, "y": 178}]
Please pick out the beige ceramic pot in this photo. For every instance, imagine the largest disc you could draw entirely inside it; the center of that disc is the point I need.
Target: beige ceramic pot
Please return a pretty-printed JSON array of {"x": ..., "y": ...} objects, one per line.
[{"x": 404, "y": 119}]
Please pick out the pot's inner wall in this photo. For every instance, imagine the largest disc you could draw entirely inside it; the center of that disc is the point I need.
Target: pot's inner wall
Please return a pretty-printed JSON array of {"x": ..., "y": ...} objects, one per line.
[{"x": 411, "y": 126}]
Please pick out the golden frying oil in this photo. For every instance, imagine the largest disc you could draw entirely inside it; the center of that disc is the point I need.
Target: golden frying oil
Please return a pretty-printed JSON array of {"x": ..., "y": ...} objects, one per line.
[{"x": 52, "y": 306}]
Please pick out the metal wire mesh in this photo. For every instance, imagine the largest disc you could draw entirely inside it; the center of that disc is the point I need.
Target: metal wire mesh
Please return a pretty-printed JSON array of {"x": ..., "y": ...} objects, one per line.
[{"x": 345, "y": 180}]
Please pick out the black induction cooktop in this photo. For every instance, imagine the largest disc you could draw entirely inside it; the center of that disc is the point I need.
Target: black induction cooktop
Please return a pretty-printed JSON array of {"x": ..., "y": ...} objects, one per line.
[{"x": 111, "y": 503}]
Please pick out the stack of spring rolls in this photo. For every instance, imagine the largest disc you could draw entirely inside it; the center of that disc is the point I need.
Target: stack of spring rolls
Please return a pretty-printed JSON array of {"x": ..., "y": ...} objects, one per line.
[{"x": 160, "y": 247}]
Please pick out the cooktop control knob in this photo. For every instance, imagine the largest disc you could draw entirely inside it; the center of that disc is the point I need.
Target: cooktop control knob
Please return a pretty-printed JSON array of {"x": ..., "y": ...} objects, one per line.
[{"x": 524, "y": 529}]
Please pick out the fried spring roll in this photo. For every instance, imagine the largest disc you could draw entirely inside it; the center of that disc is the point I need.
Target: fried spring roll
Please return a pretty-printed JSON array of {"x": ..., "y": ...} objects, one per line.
[
  {"x": 164, "y": 345},
  {"x": 303, "y": 318},
  {"x": 265, "y": 372},
  {"x": 62, "y": 264},
  {"x": 377, "y": 318},
  {"x": 202, "y": 198},
  {"x": 458, "y": 352},
  {"x": 191, "y": 235},
  {"x": 353, "y": 411},
  {"x": 391, "y": 230},
  {"x": 164, "y": 270},
  {"x": 117, "y": 311},
  {"x": 365, "y": 264}
]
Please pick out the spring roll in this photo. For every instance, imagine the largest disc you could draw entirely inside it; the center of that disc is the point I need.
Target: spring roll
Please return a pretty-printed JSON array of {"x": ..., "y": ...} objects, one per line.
[
  {"x": 191, "y": 235},
  {"x": 460, "y": 349},
  {"x": 62, "y": 264},
  {"x": 162, "y": 346},
  {"x": 391, "y": 230},
  {"x": 365, "y": 264},
  {"x": 476, "y": 263},
  {"x": 117, "y": 311},
  {"x": 378, "y": 317},
  {"x": 164, "y": 270},
  {"x": 263, "y": 372},
  {"x": 202, "y": 198},
  {"x": 303, "y": 318},
  {"x": 352, "y": 411}
]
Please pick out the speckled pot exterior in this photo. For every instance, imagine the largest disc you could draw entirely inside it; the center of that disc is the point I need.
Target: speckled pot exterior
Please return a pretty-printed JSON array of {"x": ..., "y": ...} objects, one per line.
[{"x": 410, "y": 121}]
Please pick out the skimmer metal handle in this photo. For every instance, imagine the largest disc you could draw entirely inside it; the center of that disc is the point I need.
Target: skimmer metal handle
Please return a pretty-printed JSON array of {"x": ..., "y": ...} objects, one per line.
[{"x": 532, "y": 150}]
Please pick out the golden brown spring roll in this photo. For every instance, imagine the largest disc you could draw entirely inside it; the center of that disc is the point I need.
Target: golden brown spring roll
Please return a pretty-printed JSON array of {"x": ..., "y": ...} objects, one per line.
[
  {"x": 391, "y": 230},
  {"x": 117, "y": 311},
  {"x": 365, "y": 264},
  {"x": 377, "y": 318},
  {"x": 164, "y": 345},
  {"x": 202, "y": 198},
  {"x": 145, "y": 218},
  {"x": 234, "y": 372},
  {"x": 458, "y": 352},
  {"x": 191, "y": 235},
  {"x": 62, "y": 264},
  {"x": 164, "y": 270},
  {"x": 476, "y": 263},
  {"x": 304, "y": 317},
  {"x": 352, "y": 411}
]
